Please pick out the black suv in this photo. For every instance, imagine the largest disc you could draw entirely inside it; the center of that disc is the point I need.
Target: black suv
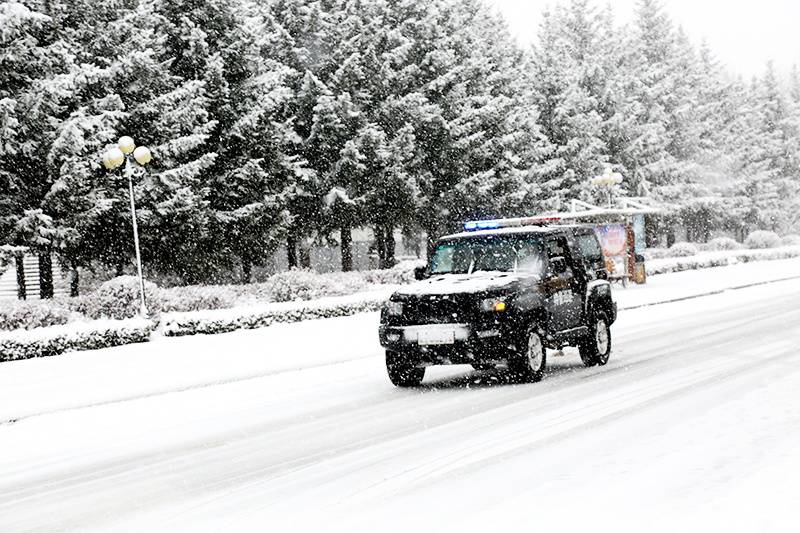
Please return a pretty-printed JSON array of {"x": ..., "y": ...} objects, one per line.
[{"x": 501, "y": 297}]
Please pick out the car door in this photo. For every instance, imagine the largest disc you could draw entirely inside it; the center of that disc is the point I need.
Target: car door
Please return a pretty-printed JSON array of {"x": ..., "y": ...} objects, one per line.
[
  {"x": 588, "y": 248},
  {"x": 564, "y": 303}
]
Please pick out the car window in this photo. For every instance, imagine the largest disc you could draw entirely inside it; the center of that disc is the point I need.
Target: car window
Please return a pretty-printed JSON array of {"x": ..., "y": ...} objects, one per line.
[
  {"x": 530, "y": 259},
  {"x": 556, "y": 249},
  {"x": 589, "y": 248},
  {"x": 503, "y": 254}
]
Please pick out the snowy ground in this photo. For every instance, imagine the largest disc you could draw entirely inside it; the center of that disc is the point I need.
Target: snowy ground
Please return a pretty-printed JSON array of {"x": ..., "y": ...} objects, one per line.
[{"x": 694, "y": 422}]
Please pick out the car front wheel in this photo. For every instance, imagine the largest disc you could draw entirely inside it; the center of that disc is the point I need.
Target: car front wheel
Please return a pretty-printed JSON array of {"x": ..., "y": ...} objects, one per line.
[
  {"x": 402, "y": 373},
  {"x": 529, "y": 364}
]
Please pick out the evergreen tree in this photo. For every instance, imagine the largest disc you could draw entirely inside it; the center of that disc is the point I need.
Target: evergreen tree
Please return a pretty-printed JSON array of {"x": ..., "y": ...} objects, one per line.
[
  {"x": 30, "y": 56},
  {"x": 572, "y": 74}
]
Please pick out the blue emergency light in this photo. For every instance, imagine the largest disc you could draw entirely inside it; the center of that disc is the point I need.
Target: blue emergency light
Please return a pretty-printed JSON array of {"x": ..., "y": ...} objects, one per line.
[
  {"x": 475, "y": 225},
  {"x": 482, "y": 224}
]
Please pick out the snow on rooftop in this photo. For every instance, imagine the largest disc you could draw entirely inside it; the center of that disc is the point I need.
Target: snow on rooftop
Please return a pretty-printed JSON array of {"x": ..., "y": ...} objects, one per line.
[{"x": 502, "y": 231}]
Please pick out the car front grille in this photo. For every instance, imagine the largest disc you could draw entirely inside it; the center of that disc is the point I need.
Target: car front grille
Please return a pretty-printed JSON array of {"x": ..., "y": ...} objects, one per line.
[{"x": 434, "y": 310}]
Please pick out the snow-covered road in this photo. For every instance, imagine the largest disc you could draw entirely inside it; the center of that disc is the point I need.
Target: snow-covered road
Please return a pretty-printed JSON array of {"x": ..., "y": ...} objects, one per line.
[{"x": 694, "y": 423}]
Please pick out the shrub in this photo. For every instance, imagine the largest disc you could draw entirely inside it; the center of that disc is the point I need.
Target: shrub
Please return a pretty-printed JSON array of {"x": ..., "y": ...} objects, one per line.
[
  {"x": 299, "y": 284},
  {"x": 762, "y": 239},
  {"x": 398, "y": 275},
  {"x": 683, "y": 249},
  {"x": 29, "y": 315},
  {"x": 118, "y": 298},
  {"x": 724, "y": 243},
  {"x": 791, "y": 240},
  {"x": 197, "y": 298}
]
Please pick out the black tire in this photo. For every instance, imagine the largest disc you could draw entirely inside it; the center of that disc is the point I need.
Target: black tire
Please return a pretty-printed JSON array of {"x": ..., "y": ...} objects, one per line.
[
  {"x": 595, "y": 348},
  {"x": 403, "y": 373},
  {"x": 529, "y": 364}
]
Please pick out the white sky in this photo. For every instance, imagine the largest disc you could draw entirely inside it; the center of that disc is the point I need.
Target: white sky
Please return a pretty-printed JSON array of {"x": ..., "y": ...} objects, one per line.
[{"x": 743, "y": 34}]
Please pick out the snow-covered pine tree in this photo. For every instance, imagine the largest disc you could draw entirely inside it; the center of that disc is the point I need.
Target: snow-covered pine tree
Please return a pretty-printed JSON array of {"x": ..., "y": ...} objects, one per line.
[
  {"x": 121, "y": 83},
  {"x": 652, "y": 44},
  {"x": 452, "y": 76},
  {"x": 500, "y": 139},
  {"x": 30, "y": 56},
  {"x": 571, "y": 76},
  {"x": 258, "y": 147},
  {"x": 305, "y": 37}
]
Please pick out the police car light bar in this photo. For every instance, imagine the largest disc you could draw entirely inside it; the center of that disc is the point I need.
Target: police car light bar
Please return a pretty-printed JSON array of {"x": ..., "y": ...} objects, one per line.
[{"x": 476, "y": 225}]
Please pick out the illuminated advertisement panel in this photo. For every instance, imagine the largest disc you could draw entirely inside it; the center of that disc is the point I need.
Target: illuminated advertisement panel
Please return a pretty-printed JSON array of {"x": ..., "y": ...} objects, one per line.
[{"x": 614, "y": 241}]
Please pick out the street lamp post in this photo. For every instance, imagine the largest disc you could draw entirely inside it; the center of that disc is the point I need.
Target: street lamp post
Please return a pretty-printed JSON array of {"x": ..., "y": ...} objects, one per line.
[
  {"x": 127, "y": 152},
  {"x": 607, "y": 180}
]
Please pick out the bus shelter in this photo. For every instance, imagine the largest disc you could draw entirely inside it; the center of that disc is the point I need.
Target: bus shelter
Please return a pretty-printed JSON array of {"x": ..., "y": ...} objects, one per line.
[{"x": 620, "y": 228}]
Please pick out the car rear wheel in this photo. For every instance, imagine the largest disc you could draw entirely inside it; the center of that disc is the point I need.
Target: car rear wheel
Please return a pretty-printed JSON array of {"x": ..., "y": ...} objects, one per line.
[
  {"x": 595, "y": 349},
  {"x": 402, "y": 373},
  {"x": 528, "y": 366}
]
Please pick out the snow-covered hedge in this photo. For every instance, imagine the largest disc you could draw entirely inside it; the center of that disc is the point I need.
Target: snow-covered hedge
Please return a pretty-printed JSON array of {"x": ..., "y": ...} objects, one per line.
[
  {"x": 710, "y": 260},
  {"x": 55, "y": 340},
  {"x": 762, "y": 240},
  {"x": 224, "y": 320},
  {"x": 34, "y": 314},
  {"x": 291, "y": 286}
]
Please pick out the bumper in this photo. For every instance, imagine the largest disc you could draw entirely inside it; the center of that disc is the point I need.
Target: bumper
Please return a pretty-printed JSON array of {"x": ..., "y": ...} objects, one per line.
[{"x": 466, "y": 345}]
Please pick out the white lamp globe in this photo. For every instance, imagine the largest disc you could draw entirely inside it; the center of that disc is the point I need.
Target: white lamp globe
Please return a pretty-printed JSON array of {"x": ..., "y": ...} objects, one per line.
[
  {"x": 115, "y": 158},
  {"x": 126, "y": 144},
  {"x": 142, "y": 155},
  {"x": 107, "y": 161}
]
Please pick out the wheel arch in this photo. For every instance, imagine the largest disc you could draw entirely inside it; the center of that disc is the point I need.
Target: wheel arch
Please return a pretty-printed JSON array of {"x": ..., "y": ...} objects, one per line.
[{"x": 598, "y": 298}]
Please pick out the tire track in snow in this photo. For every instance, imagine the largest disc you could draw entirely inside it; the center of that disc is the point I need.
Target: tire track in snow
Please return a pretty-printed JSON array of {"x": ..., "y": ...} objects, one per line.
[{"x": 231, "y": 467}]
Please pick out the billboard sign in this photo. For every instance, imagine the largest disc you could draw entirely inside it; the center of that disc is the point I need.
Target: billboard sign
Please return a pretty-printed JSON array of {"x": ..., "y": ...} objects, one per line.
[{"x": 613, "y": 238}]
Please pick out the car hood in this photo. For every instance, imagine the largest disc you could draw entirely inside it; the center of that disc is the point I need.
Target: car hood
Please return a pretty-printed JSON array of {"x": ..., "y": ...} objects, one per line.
[{"x": 460, "y": 283}]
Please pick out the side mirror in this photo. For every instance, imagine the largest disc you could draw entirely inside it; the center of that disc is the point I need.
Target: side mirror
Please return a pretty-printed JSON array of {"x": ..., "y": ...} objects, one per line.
[
  {"x": 558, "y": 265},
  {"x": 420, "y": 272}
]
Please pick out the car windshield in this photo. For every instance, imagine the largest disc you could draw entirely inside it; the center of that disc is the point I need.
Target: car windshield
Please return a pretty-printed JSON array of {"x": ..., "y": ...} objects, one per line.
[{"x": 495, "y": 253}]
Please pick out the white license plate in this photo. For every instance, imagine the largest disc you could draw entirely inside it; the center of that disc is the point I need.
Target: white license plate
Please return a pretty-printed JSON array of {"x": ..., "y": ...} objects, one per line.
[{"x": 431, "y": 337}]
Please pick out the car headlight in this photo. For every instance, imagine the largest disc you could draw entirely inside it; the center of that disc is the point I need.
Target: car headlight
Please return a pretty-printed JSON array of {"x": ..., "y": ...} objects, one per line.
[
  {"x": 497, "y": 305},
  {"x": 394, "y": 308}
]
